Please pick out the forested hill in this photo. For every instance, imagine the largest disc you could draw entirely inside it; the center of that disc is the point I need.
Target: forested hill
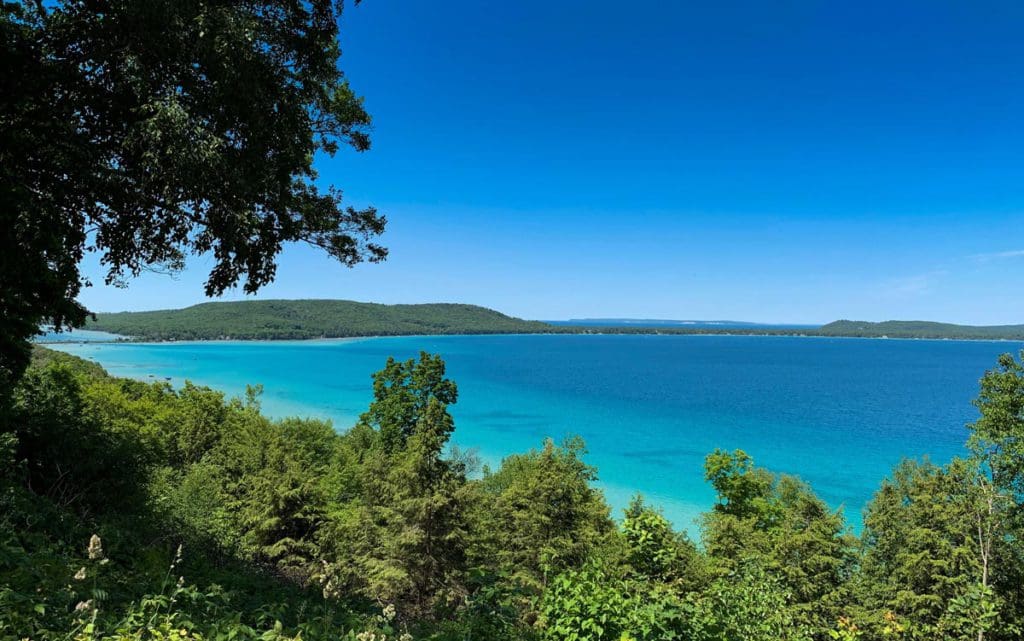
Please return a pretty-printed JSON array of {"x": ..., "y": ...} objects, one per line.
[
  {"x": 295, "y": 319},
  {"x": 300, "y": 319},
  {"x": 921, "y": 329}
]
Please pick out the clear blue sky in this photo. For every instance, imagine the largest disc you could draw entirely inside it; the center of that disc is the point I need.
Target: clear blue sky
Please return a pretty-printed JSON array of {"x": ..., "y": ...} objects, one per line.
[{"x": 779, "y": 162}]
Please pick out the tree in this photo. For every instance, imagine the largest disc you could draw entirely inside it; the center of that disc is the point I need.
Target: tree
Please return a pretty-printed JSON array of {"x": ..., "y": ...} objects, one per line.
[
  {"x": 997, "y": 437},
  {"x": 67, "y": 454},
  {"x": 919, "y": 551},
  {"x": 780, "y": 525},
  {"x": 146, "y": 131},
  {"x": 405, "y": 536},
  {"x": 743, "y": 490},
  {"x": 402, "y": 391},
  {"x": 997, "y": 497},
  {"x": 538, "y": 514},
  {"x": 942, "y": 543},
  {"x": 656, "y": 552}
]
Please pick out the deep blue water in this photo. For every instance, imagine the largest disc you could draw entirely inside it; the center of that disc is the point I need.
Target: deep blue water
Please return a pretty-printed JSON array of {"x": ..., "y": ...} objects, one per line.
[
  {"x": 837, "y": 412},
  {"x": 686, "y": 324}
]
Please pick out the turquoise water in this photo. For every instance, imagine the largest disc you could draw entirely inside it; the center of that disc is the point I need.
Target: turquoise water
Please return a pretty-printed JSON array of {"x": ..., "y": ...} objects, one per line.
[
  {"x": 77, "y": 335},
  {"x": 837, "y": 412}
]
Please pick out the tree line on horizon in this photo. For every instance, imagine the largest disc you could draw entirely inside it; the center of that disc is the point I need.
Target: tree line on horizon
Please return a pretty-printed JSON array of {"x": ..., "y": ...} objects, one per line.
[
  {"x": 304, "y": 319},
  {"x": 132, "y": 510}
]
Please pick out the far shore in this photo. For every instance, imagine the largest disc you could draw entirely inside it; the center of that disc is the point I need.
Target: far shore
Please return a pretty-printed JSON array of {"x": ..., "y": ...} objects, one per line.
[{"x": 584, "y": 332}]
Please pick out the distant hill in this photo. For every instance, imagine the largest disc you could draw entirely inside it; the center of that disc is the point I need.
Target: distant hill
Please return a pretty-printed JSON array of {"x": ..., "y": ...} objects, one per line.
[
  {"x": 295, "y": 319},
  {"x": 300, "y": 319},
  {"x": 920, "y": 329}
]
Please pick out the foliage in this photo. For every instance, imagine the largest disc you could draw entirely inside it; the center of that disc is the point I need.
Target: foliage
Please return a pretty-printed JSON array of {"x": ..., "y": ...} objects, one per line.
[
  {"x": 145, "y": 131},
  {"x": 749, "y": 604},
  {"x": 403, "y": 393},
  {"x": 972, "y": 614},
  {"x": 66, "y": 454},
  {"x": 289, "y": 528},
  {"x": 997, "y": 437},
  {"x": 778, "y": 523},
  {"x": 584, "y": 604},
  {"x": 280, "y": 319},
  {"x": 656, "y": 553},
  {"x": 920, "y": 329},
  {"x": 595, "y": 603},
  {"x": 406, "y": 533},
  {"x": 293, "y": 319},
  {"x": 919, "y": 554},
  {"x": 539, "y": 513}
]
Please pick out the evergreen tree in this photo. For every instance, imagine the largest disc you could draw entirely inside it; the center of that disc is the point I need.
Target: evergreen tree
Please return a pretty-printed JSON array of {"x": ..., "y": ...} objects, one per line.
[
  {"x": 919, "y": 545},
  {"x": 539, "y": 513},
  {"x": 778, "y": 524},
  {"x": 408, "y": 529}
]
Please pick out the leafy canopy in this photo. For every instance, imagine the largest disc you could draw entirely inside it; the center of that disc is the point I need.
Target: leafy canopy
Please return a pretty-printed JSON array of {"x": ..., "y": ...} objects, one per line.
[{"x": 146, "y": 131}]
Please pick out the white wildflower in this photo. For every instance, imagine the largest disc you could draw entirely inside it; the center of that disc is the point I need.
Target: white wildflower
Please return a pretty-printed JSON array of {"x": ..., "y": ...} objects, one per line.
[
  {"x": 95, "y": 548},
  {"x": 331, "y": 590},
  {"x": 80, "y": 575}
]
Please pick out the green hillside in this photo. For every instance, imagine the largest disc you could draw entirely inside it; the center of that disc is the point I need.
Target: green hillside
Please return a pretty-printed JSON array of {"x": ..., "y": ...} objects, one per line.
[
  {"x": 294, "y": 319},
  {"x": 299, "y": 319},
  {"x": 920, "y": 329}
]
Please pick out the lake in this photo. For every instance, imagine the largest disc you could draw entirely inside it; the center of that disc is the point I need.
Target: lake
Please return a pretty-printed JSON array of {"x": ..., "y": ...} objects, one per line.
[{"x": 837, "y": 412}]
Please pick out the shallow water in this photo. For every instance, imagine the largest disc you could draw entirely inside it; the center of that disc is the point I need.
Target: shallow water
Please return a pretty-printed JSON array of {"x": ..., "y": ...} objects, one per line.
[{"x": 837, "y": 412}]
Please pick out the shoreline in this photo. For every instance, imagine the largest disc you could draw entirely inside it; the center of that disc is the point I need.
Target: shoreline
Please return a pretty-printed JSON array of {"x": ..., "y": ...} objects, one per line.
[{"x": 695, "y": 333}]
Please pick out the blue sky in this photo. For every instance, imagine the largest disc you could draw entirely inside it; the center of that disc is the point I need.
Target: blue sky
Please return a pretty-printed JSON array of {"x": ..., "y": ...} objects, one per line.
[{"x": 778, "y": 162}]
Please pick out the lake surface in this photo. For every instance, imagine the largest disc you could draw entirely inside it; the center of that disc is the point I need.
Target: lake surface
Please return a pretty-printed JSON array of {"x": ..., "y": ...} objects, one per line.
[
  {"x": 77, "y": 335},
  {"x": 837, "y": 412}
]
